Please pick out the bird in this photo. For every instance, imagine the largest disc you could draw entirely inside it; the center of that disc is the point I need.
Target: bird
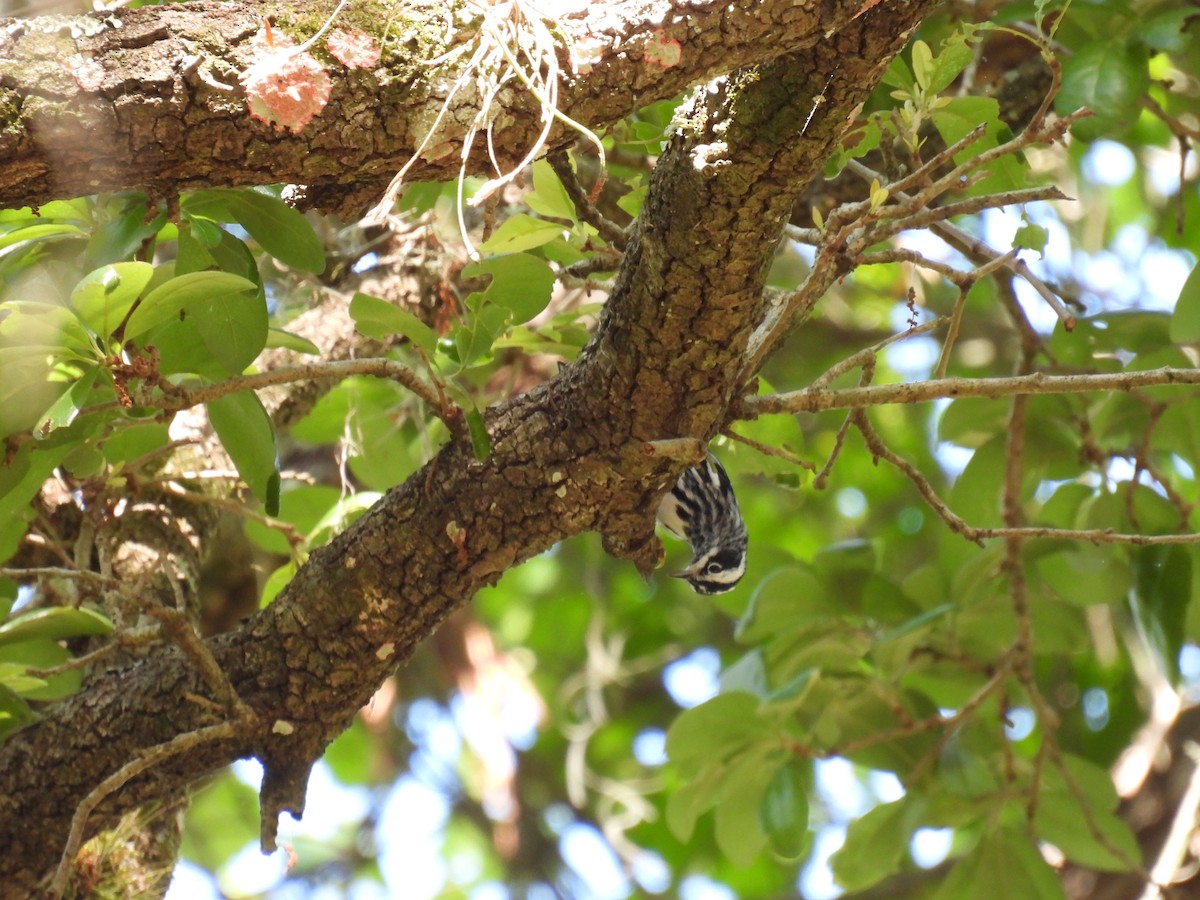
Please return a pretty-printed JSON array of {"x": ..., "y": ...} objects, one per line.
[{"x": 701, "y": 509}]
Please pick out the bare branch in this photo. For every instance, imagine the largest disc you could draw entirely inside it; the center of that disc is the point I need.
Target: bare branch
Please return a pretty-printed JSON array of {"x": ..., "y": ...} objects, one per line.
[{"x": 821, "y": 399}]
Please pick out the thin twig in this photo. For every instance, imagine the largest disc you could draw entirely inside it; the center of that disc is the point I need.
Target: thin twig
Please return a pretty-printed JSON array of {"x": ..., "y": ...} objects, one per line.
[
  {"x": 767, "y": 450},
  {"x": 21, "y": 575},
  {"x": 287, "y": 529},
  {"x": 608, "y": 229},
  {"x": 148, "y": 758},
  {"x": 324, "y": 371},
  {"x": 820, "y": 400}
]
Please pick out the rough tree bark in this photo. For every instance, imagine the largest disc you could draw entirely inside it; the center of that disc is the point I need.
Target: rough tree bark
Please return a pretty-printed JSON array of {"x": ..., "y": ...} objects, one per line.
[{"x": 566, "y": 457}]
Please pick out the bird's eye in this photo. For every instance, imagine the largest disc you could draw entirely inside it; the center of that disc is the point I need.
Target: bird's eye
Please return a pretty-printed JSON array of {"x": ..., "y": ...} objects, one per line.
[{"x": 713, "y": 568}]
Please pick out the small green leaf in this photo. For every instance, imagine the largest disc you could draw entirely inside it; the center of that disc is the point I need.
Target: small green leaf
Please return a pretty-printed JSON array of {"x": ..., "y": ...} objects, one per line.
[
  {"x": 276, "y": 582},
  {"x": 280, "y": 230},
  {"x": 1164, "y": 590},
  {"x": 180, "y": 294},
  {"x": 1031, "y": 237},
  {"x": 54, "y": 623},
  {"x": 876, "y": 843},
  {"x": 1095, "y": 838},
  {"x": 739, "y": 828},
  {"x": 898, "y": 74},
  {"x": 48, "y": 231},
  {"x": 472, "y": 341},
  {"x": 1109, "y": 79},
  {"x": 246, "y": 433},
  {"x": 379, "y": 319},
  {"x": 692, "y": 799},
  {"x": 960, "y": 116},
  {"x": 714, "y": 730},
  {"x": 233, "y": 328},
  {"x": 42, "y": 653},
  {"x": 956, "y": 54},
  {"x": 521, "y": 232},
  {"x": 1185, "y": 320},
  {"x": 922, "y": 63},
  {"x": 104, "y": 296},
  {"x": 548, "y": 197},
  {"x": 520, "y": 283},
  {"x": 14, "y": 711},
  {"x": 481, "y": 442},
  {"x": 784, "y": 814},
  {"x": 277, "y": 338},
  {"x": 1002, "y": 857}
]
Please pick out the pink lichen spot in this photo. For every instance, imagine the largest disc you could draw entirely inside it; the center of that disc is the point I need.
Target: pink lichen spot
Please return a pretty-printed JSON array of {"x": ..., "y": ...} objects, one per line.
[
  {"x": 663, "y": 51},
  {"x": 353, "y": 48},
  {"x": 284, "y": 87},
  {"x": 88, "y": 73},
  {"x": 586, "y": 52}
]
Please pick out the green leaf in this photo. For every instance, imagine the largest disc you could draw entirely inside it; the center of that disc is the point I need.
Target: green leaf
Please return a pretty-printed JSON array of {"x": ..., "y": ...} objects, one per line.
[
  {"x": 121, "y": 226},
  {"x": 922, "y": 63},
  {"x": 233, "y": 328},
  {"x": 278, "y": 338},
  {"x": 481, "y": 442},
  {"x": 1164, "y": 590},
  {"x": 1185, "y": 320},
  {"x": 1096, "y": 838},
  {"x": 54, "y": 623},
  {"x": 548, "y": 197},
  {"x": 739, "y": 828},
  {"x": 958, "y": 118},
  {"x": 747, "y": 675},
  {"x": 181, "y": 294},
  {"x": 349, "y": 756},
  {"x": 41, "y": 653},
  {"x": 956, "y": 53},
  {"x": 783, "y": 813},
  {"x": 43, "y": 232},
  {"x": 520, "y": 283},
  {"x": 1087, "y": 575},
  {"x": 472, "y": 341},
  {"x": 246, "y": 433},
  {"x": 276, "y": 582},
  {"x": 521, "y": 232},
  {"x": 897, "y": 74},
  {"x": 1002, "y": 857},
  {"x": 1109, "y": 79},
  {"x": 381, "y": 320},
  {"x": 877, "y": 843},
  {"x": 787, "y": 598},
  {"x": 692, "y": 799},
  {"x": 14, "y": 711},
  {"x": 104, "y": 296},
  {"x": 280, "y": 230},
  {"x": 135, "y": 440},
  {"x": 714, "y": 730},
  {"x": 1031, "y": 237}
]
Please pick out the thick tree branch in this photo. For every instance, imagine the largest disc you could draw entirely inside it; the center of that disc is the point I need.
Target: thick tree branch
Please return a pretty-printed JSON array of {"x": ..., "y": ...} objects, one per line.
[{"x": 167, "y": 121}]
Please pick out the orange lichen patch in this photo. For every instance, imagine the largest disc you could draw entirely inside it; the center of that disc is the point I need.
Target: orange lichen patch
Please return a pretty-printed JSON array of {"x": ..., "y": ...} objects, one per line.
[
  {"x": 663, "y": 51},
  {"x": 353, "y": 48},
  {"x": 285, "y": 86}
]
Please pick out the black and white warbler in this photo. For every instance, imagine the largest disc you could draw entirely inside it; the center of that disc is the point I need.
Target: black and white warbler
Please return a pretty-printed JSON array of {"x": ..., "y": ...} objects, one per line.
[{"x": 702, "y": 510}]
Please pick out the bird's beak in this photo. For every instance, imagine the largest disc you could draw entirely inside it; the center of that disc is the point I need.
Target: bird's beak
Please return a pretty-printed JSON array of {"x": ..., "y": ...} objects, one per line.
[{"x": 689, "y": 572}]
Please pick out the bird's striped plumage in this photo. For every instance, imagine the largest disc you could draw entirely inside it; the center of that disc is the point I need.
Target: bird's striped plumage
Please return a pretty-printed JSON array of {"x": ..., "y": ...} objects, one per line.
[{"x": 701, "y": 509}]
